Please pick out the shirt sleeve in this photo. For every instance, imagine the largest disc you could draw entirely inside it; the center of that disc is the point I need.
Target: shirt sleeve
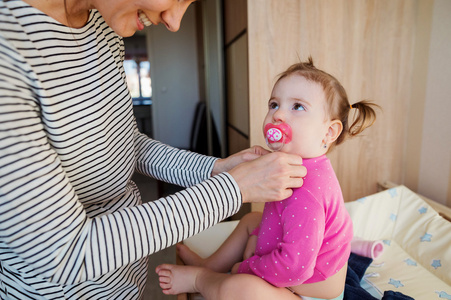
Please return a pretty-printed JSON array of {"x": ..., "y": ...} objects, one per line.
[
  {"x": 44, "y": 228},
  {"x": 169, "y": 164},
  {"x": 293, "y": 259}
]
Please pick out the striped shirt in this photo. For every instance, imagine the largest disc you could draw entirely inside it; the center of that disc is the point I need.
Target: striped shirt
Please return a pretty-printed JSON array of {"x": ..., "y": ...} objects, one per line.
[{"x": 72, "y": 225}]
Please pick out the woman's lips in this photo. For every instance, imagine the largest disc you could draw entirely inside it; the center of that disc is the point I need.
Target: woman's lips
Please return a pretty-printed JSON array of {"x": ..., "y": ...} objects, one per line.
[{"x": 280, "y": 133}]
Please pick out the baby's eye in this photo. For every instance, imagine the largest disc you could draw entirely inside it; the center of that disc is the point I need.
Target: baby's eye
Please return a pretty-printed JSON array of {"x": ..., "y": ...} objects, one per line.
[
  {"x": 273, "y": 105},
  {"x": 298, "y": 106}
]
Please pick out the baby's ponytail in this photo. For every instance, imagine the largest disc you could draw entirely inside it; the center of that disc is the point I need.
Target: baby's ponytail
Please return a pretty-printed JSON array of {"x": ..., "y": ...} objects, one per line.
[{"x": 365, "y": 116}]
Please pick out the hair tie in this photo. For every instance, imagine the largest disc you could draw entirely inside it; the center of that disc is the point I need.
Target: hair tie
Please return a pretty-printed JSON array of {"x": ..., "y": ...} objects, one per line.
[{"x": 350, "y": 105}]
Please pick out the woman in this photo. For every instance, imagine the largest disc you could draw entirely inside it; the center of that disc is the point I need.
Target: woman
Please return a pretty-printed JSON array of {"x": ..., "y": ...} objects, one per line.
[{"x": 72, "y": 225}]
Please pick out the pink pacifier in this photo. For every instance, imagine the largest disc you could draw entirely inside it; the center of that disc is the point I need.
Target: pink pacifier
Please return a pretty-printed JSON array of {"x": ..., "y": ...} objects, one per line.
[{"x": 277, "y": 135}]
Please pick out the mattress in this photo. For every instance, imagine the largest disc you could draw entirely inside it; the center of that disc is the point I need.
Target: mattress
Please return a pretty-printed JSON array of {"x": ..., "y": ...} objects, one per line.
[{"x": 417, "y": 244}]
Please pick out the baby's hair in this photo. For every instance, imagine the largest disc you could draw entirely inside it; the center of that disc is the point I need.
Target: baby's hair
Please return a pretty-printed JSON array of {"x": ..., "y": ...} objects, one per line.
[{"x": 338, "y": 106}]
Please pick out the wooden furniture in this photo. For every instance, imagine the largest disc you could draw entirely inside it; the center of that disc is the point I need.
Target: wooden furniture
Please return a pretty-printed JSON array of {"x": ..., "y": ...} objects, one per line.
[{"x": 236, "y": 48}]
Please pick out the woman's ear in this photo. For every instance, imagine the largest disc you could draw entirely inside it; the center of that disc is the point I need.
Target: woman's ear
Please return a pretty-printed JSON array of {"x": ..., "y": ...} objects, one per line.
[{"x": 335, "y": 129}]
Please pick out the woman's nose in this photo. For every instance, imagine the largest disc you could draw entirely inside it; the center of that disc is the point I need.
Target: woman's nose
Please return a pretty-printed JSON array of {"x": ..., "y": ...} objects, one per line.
[{"x": 173, "y": 17}]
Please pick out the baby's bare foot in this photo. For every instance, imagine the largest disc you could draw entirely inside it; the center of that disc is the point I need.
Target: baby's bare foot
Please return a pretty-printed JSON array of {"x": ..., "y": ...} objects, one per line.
[
  {"x": 176, "y": 279},
  {"x": 189, "y": 257}
]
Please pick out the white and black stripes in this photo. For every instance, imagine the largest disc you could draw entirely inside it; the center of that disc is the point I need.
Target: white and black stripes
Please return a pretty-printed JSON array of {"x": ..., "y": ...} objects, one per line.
[{"x": 71, "y": 223}]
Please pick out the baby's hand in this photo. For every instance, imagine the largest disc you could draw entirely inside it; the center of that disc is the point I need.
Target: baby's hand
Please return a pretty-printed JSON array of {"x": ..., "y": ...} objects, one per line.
[
  {"x": 250, "y": 247},
  {"x": 235, "y": 268}
]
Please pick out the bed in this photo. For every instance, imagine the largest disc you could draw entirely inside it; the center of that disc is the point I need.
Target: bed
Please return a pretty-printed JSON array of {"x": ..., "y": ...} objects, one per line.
[{"x": 416, "y": 237}]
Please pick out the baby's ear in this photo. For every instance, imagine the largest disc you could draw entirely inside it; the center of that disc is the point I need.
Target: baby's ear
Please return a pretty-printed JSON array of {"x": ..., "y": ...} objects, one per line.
[{"x": 335, "y": 129}]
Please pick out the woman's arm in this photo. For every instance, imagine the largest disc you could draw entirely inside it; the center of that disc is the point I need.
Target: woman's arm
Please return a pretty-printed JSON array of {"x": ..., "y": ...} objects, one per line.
[
  {"x": 261, "y": 176},
  {"x": 169, "y": 164},
  {"x": 45, "y": 228}
]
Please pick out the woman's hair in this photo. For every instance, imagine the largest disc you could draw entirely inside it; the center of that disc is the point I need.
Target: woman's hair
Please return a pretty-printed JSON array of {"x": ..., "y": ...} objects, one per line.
[{"x": 338, "y": 106}]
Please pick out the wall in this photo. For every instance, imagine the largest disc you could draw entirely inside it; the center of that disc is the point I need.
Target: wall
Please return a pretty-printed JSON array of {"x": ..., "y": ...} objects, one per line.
[
  {"x": 435, "y": 161},
  {"x": 174, "y": 70},
  {"x": 368, "y": 46},
  {"x": 213, "y": 59}
]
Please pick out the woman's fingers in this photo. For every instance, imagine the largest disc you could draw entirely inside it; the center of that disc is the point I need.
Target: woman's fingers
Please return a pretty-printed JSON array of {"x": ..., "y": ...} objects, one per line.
[{"x": 270, "y": 177}]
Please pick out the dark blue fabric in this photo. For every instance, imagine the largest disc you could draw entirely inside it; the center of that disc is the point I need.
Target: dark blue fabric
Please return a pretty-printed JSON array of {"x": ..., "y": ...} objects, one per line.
[
  {"x": 391, "y": 295},
  {"x": 357, "y": 266}
]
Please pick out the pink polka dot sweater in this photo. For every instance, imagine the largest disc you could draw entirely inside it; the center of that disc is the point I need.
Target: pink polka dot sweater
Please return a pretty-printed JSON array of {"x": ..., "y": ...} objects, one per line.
[{"x": 305, "y": 238}]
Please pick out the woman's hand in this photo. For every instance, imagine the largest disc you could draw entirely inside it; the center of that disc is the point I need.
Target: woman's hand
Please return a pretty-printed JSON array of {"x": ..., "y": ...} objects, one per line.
[
  {"x": 269, "y": 177},
  {"x": 226, "y": 164}
]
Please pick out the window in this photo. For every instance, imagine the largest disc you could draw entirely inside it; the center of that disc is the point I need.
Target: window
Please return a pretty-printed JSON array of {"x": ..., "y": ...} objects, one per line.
[
  {"x": 137, "y": 70},
  {"x": 138, "y": 80}
]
